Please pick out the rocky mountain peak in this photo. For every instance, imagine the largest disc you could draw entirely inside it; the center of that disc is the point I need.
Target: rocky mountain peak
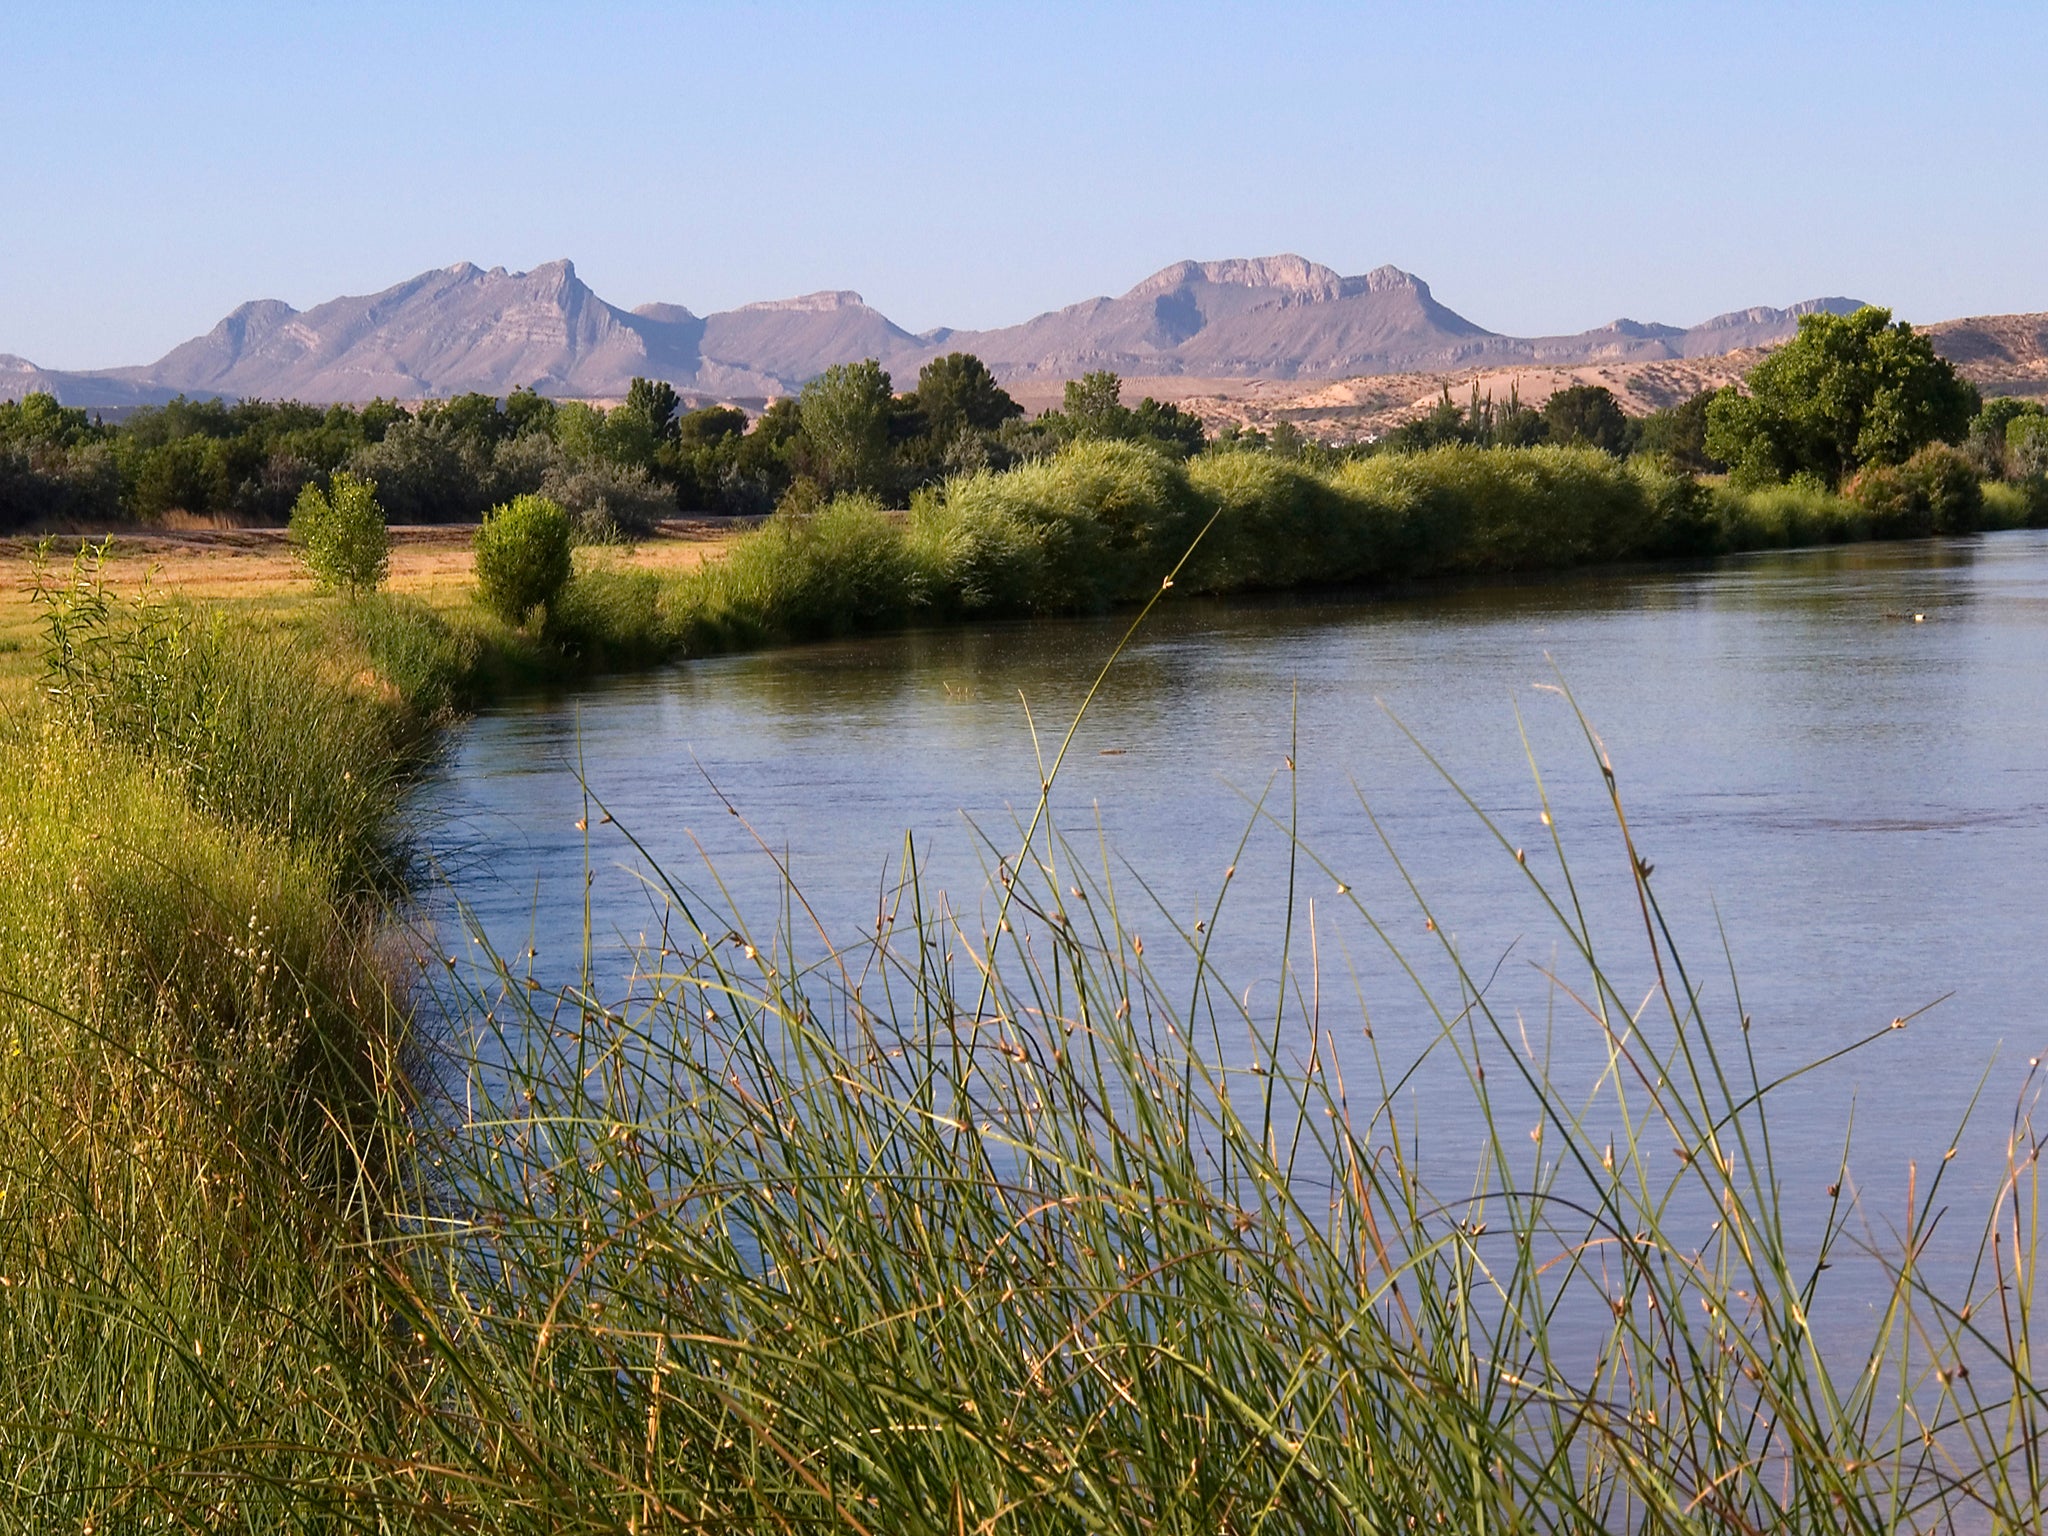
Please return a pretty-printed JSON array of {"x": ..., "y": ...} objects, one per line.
[{"x": 820, "y": 303}]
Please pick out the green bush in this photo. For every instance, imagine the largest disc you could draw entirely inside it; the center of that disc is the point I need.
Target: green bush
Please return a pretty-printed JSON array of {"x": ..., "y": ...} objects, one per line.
[
  {"x": 340, "y": 534},
  {"x": 1098, "y": 522},
  {"x": 843, "y": 569},
  {"x": 522, "y": 556},
  {"x": 1280, "y": 525},
  {"x": 1934, "y": 491},
  {"x": 2026, "y": 446}
]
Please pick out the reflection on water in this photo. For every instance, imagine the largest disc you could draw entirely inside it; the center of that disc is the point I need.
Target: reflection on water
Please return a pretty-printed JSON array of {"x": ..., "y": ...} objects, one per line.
[{"x": 1838, "y": 757}]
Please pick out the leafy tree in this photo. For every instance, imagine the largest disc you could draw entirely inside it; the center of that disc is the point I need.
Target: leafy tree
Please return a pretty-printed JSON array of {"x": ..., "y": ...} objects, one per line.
[
  {"x": 36, "y": 420},
  {"x": 1847, "y": 391},
  {"x": 1587, "y": 415},
  {"x": 186, "y": 474},
  {"x": 1444, "y": 425},
  {"x": 713, "y": 424},
  {"x": 957, "y": 392},
  {"x": 428, "y": 471},
  {"x": 653, "y": 402},
  {"x": 845, "y": 416},
  {"x": 1985, "y": 444},
  {"x": 341, "y": 536},
  {"x": 1179, "y": 432},
  {"x": 1093, "y": 405},
  {"x": 527, "y": 411},
  {"x": 472, "y": 419},
  {"x": 522, "y": 556},
  {"x": 2026, "y": 445},
  {"x": 1676, "y": 437}
]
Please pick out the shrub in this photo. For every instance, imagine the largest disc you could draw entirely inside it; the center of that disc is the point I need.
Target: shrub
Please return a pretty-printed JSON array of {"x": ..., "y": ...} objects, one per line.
[
  {"x": 608, "y": 502},
  {"x": 1280, "y": 525},
  {"x": 2026, "y": 446},
  {"x": 1098, "y": 522},
  {"x": 522, "y": 556},
  {"x": 836, "y": 571},
  {"x": 340, "y": 535},
  {"x": 1935, "y": 491}
]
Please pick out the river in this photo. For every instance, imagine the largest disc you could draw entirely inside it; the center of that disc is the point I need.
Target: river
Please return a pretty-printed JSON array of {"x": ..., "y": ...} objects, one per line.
[{"x": 1836, "y": 761}]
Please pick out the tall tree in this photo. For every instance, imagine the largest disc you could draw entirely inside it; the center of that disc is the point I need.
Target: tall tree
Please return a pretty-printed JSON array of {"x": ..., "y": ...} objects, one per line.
[
  {"x": 655, "y": 402},
  {"x": 957, "y": 393},
  {"x": 1094, "y": 405},
  {"x": 845, "y": 415},
  {"x": 1587, "y": 416},
  {"x": 1847, "y": 391}
]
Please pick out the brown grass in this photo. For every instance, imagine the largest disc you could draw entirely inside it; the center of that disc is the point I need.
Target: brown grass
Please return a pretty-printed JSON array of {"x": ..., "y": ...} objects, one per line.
[{"x": 255, "y": 570}]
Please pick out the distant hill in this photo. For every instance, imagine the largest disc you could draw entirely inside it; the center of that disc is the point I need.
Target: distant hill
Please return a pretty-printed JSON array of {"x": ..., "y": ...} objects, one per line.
[
  {"x": 464, "y": 328},
  {"x": 2003, "y": 354}
]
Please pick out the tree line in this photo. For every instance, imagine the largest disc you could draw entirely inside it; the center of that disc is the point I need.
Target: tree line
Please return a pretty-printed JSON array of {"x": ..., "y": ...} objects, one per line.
[{"x": 1858, "y": 405}]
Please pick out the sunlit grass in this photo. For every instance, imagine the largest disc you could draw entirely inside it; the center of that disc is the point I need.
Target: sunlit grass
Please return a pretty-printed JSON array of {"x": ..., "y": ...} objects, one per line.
[{"x": 1018, "y": 1223}]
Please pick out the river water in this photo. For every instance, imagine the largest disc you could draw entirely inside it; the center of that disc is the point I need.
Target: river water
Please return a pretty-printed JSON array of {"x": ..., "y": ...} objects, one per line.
[{"x": 1836, "y": 761}]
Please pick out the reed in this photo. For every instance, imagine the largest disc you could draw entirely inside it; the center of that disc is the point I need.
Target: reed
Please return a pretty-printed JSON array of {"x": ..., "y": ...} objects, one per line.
[
  {"x": 1035, "y": 1227},
  {"x": 1020, "y": 1223}
]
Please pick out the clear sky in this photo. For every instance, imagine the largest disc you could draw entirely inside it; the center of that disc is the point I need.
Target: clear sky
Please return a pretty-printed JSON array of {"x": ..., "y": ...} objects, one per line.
[{"x": 1545, "y": 167}]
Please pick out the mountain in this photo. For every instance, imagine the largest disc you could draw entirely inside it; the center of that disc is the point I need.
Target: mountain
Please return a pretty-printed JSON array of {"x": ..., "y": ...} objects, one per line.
[
  {"x": 464, "y": 328},
  {"x": 2003, "y": 354}
]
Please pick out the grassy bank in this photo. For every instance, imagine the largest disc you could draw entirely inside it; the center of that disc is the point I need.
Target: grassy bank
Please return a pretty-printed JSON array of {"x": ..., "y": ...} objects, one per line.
[
  {"x": 939, "y": 1229},
  {"x": 1101, "y": 524}
]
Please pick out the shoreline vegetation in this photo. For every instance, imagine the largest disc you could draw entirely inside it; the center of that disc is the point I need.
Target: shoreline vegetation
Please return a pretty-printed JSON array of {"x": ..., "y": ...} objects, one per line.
[{"x": 937, "y": 1229}]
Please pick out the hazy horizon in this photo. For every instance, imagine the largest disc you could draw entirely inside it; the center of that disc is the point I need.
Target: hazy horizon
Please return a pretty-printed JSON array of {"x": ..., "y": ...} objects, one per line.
[{"x": 1546, "y": 174}]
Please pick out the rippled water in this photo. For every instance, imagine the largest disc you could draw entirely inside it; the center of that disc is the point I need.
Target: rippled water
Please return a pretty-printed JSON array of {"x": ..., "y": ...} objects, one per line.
[{"x": 1839, "y": 758}]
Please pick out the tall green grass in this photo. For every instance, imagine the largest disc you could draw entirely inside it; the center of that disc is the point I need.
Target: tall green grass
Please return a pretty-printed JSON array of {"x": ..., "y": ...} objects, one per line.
[{"x": 1023, "y": 1226}]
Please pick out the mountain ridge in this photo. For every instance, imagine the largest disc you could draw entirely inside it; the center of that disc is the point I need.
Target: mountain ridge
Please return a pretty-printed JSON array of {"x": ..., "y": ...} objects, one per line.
[{"x": 463, "y": 327}]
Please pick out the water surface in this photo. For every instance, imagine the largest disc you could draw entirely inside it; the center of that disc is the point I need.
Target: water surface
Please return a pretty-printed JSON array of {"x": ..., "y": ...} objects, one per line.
[{"x": 1836, "y": 758}]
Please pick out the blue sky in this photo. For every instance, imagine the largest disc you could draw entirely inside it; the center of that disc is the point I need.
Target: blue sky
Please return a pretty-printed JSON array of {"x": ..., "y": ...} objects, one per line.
[{"x": 1545, "y": 167}]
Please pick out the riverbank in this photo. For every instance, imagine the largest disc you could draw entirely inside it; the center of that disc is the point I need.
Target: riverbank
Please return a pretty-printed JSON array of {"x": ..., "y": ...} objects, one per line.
[{"x": 749, "y": 1247}]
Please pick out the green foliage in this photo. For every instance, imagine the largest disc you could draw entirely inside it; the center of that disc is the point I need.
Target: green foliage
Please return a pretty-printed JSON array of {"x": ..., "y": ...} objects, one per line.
[
  {"x": 340, "y": 534},
  {"x": 1587, "y": 416},
  {"x": 522, "y": 556},
  {"x": 2026, "y": 446},
  {"x": 841, "y": 569},
  {"x": 1935, "y": 491},
  {"x": 256, "y": 729},
  {"x": 1676, "y": 438},
  {"x": 1482, "y": 423},
  {"x": 845, "y": 414},
  {"x": 36, "y": 420},
  {"x": 713, "y": 425},
  {"x": 1985, "y": 443},
  {"x": 257, "y": 1276},
  {"x": 1093, "y": 409},
  {"x": 956, "y": 393},
  {"x": 1845, "y": 392},
  {"x": 1093, "y": 404},
  {"x": 653, "y": 404}
]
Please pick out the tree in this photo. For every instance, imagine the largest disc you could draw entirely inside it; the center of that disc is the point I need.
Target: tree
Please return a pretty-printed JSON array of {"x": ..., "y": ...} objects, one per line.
[
  {"x": 653, "y": 401},
  {"x": 713, "y": 424},
  {"x": 1677, "y": 436},
  {"x": 527, "y": 411},
  {"x": 1094, "y": 407},
  {"x": 845, "y": 415},
  {"x": 1588, "y": 416},
  {"x": 522, "y": 556},
  {"x": 2026, "y": 445},
  {"x": 1847, "y": 391},
  {"x": 1986, "y": 443},
  {"x": 957, "y": 393},
  {"x": 340, "y": 534},
  {"x": 1179, "y": 432}
]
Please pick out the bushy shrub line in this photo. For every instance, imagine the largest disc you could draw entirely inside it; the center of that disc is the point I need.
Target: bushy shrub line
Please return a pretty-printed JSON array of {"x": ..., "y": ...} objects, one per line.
[{"x": 1102, "y": 522}]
